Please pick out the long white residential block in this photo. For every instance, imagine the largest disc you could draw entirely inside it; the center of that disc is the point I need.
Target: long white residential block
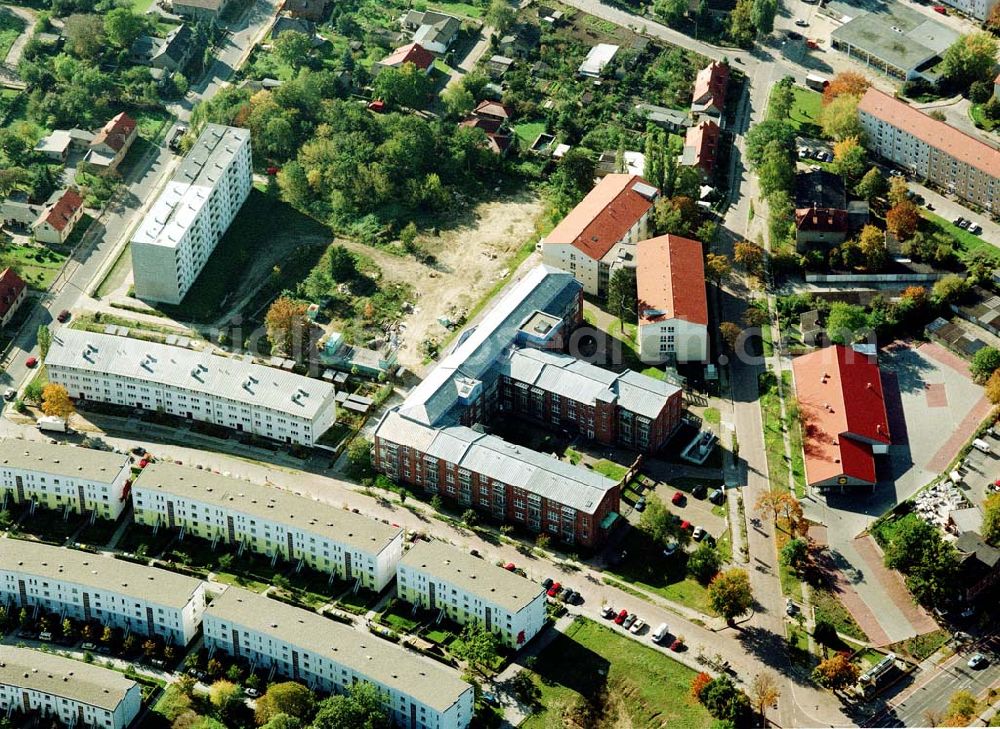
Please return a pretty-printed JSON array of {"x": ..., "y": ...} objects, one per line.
[
  {"x": 63, "y": 477},
  {"x": 75, "y": 693},
  {"x": 227, "y": 391},
  {"x": 172, "y": 244},
  {"x": 438, "y": 576},
  {"x": 268, "y": 520},
  {"x": 331, "y": 657},
  {"x": 88, "y": 587}
]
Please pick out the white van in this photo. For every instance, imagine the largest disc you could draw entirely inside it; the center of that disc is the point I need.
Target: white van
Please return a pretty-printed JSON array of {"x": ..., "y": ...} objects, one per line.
[
  {"x": 660, "y": 633},
  {"x": 981, "y": 445}
]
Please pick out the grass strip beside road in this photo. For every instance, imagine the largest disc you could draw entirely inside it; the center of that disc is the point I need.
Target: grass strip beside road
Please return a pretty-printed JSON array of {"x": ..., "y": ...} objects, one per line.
[{"x": 774, "y": 440}]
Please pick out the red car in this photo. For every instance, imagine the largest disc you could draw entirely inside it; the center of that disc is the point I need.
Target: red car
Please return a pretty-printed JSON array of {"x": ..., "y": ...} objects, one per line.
[
  {"x": 941, "y": 9},
  {"x": 143, "y": 463},
  {"x": 31, "y": 361},
  {"x": 272, "y": 170},
  {"x": 686, "y": 526},
  {"x": 510, "y": 567},
  {"x": 677, "y": 499},
  {"x": 621, "y": 617},
  {"x": 554, "y": 590},
  {"x": 378, "y": 106},
  {"x": 64, "y": 316}
]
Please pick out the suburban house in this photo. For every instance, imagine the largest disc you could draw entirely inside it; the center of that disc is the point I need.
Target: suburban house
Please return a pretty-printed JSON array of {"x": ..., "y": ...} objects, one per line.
[
  {"x": 672, "y": 301},
  {"x": 602, "y": 230},
  {"x": 498, "y": 66},
  {"x": 701, "y": 147},
  {"x": 710, "y": 90},
  {"x": 433, "y": 30},
  {"x": 670, "y": 119},
  {"x": 520, "y": 41},
  {"x": 59, "y": 216},
  {"x": 13, "y": 292},
  {"x": 845, "y": 425},
  {"x": 199, "y": 9},
  {"x": 979, "y": 566},
  {"x": 170, "y": 54},
  {"x": 597, "y": 60},
  {"x": 110, "y": 145},
  {"x": 18, "y": 214},
  {"x": 283, "y": 24},
  {"x": 411, "y": 53},
  {"x": 57, "y": 145},
  {"x": 487, "y": 109},
  {"x": 499, "y": 137},
  {"x": 823, "y": 214},
  {"x": 314, "y": 10}
]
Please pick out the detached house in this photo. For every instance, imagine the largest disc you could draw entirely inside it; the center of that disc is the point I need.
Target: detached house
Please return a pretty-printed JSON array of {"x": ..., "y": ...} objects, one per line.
[
  {"x": 602, "y": 231},
  {"x": 411, "y": 53},
  {"x": 199, "y": 9},
  {"x": 710, "y": 90},
  {"x": 432, "y": 30},
  {"x": 314, "y": 10},
  {"x": 839, "y": 391},
  {"x": 111, "y": 144},
  {"x": 823, "y": 214},
  {"x": 13, "y": 291},
  {"x": 673, "y": 304},
  {"x": 59, "y": 216},
  {"x": 701, "y": 147},
  {"x": 167, "y": 54},
  {"x": 492, "y": 118}
]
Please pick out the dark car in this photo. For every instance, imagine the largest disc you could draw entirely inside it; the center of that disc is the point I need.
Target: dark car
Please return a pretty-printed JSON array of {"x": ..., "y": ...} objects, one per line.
[
  {"x": 64, "y": 316},
  {"x": 547, "y": 583},
  {"x": 700, "y": 491},
  {"x": 475, "y": 553},
  {"x": 640, "y": 505},
  {"x": 717, "y": 496},
  {"x": 31, "y": 362},
  {"x": 792, "y": 35}
]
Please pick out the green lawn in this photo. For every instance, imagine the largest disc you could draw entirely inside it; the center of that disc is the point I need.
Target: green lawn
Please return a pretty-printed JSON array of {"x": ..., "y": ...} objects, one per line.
[
  {"x": 528, "y": 132},
  {"x": 624, "y": 683},
  {"x": 610, "y": 469},
  {"x": 141, "y": 6},
  {"x": 827, "y": 606},
  {"x": 712, "y": 415},
  {"x": 152, "y": 122},
  {"x": 794, "y": 436},
  {"x": 921, "y": 646},
  {"x": 118, "y": 273},
  {"x": 980, "y": 119},
  {"x": 11, "y": 26},
  {"x": 37, "y": 265},
  {"x": 966, "y": 242},
  {"x": 774, "y": 444},
  {"x": 805, "y": 111},
  {"x": 885, "y": 529},
  {"x": 460, "y": 9}
]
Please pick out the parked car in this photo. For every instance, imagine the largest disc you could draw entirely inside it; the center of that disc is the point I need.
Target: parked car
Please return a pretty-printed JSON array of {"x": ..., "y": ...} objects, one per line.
[
  {"x": 64, "y": 316},
  {"x": 31, "y": 361},
  {"x": 698, "y": 534},
  {"x": 687, "y": 526},
  {"x": 670, "y": 547},
  {"x": 553, "y": 589},
  {"x": 700, "y": 491},
  {"x": 490, "y": 699},
  {"x": 677, "y": 499},
  {"x": 637, "y": 626},
  {"x": 510, "y": 566},
  {"x": 620, "y": 618},
  {"x": 975, "y": 228},
  {"x": 640, "y": 505},
  {"x": 660, "y": 633},
  {"x": 677, "y": 645},
  {"x": 547, "y": 583},
  {"x": 792, "y": 35},
  {"x": 958, "y": 221},
  {"x": 941, "y": 9},
  {"x": 717, "y": 496},
  {"x": 251, "y": 692},
  {"x": 607, "y": 612},
  {"x": 801, "y": 23},
  {"x": 88, "y": 646},
  {"x": 790, "y": 607},
  {"x": 567, "y": 595},
  {"x": 629, "y": 621},
  {"x": 977, "y": 661},
  {"x": 475, "y": 553},
  {"x": 964, "y": 225},
  {"x": 9, "y": 394}
]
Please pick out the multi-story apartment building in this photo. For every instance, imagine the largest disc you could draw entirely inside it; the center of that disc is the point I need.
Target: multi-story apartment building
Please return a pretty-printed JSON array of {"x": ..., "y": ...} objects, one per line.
[
  {"x": 602, "y": 230},
  {"x": 438, "y": 576},
  {"x": 227, "y": 391},
  {"x": 178, "y": 234},
  {"x": 509, "y": 482},
  {"x": 330, "y": 657},
  {"x": 269, "y": 521},
  {"x": 628, "y": 408},
  {"x": 72, "y": 692},
  {"x": 673, "y": 303},
  {"x": 88, "y": 587},
  {"x": 63, "y": 477},
  {"x": 935, "y": 151}
]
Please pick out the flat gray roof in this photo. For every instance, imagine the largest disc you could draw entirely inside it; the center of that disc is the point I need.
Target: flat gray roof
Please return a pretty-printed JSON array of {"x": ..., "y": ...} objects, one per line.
[
  {"x": 473, "y": 575},
  {"x": 61, "y": 460},
  {"x": 210, "y": 374},
  {"x": 381, "y": 662},
  {"x": 269, "y": 502},
  {"x": 168, "y": 589},
  {"x": 898, "y": 35},
  {"x": 58, "y": 676}
]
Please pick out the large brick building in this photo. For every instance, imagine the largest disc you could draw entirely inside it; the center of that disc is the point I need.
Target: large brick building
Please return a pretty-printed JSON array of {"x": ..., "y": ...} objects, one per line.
[
  {"x": 931, "y": 150},
  {"x": 512, "y": 362}
]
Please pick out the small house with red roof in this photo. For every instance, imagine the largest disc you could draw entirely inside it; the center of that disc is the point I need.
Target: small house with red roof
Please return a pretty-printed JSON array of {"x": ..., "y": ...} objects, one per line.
[
  {"x": 672, "y": 301},
  {"x": 602, "y": 231},
  {"x": 59, "y": 216},
  {"x": 845, "y": 425},
  {"x": 710, "y": 86},
  {"x": 410, "y": 53},
  {"x": 110, "y": 145},
  {"x": 499, "y": 137},
  {"x": 13, "y": 292}
]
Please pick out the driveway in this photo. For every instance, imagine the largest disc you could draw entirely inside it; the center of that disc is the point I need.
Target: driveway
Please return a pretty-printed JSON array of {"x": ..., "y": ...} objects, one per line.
[{"x": 17, "y": 49}]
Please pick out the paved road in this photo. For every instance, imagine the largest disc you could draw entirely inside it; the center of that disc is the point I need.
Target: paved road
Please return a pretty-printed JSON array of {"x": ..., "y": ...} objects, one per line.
[{"x": 17, "y": 49}]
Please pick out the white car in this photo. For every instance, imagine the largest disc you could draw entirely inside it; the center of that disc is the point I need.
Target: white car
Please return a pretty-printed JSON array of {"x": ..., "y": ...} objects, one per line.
[
  {"x": 637, "y": 626},
  {"x": 698, "y": 534},
  {"x": 9, "y": 394},
  {"x": 801, "y": 23},
  {"x": 977, "y": 661}
]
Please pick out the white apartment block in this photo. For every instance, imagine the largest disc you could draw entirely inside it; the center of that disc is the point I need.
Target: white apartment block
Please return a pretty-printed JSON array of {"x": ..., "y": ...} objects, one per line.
[
  {"x": 172, "y": 244},
  {"x": 268, "y": 520},
  {"x": 227, "y": 391},
  {"x": 63, "y": 477},
  {"x": 87, "y": 586},
  {"x": 73, "y": 692},
  {"x": 330, "y": 657},
  {"x": 438, "y": 576}
]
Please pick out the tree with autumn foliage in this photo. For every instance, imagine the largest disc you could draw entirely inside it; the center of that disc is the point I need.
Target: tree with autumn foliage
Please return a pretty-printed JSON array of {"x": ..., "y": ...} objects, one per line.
[
  {"x": 750, "y": 256},
  {"x": 871, "y": 242},
  {"x": 836, "y": 672},
  {"x": 902, "y": 220},
  {"x": 286, "y": 324},
  {"x": 899, "y": 190},
  {"x": 845, "y": 82},
  {"x": 717, "y": 267},
  {"x": 781, "y": 506},
  {"x": 992, "y": 388},
  {"x": 56, "y": 402},
  {"x": 698, "y": 684},
  {"x": 730, "y": 594},
  {"x": 839, "y": 119},
  {"x": 730, "y": 333},
  {"x": 849, "y": 158}
]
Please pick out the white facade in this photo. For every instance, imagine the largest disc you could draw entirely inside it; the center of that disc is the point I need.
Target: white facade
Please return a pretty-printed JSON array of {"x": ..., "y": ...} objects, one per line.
[
  {"x": 226, "y": 391},
  {"x": 671, "y": 340},
  {"x": 75, "y": 693},
  {"x": 330, "y": 657},
  {"x": 268, "y": 520},
  {"x": 978, "y": 9},
  {"x": 438, "y": 576},
  {"x": 896, "y": 145},
  {"x": 88, "y": 587},
  {"x": 568, "y": 257},
  {"x": 189, "y": 218},
  {"x": 63, "y": 477}
]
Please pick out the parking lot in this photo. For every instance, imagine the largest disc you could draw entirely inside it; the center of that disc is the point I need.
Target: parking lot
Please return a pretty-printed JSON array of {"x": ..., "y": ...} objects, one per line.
[{"x": 980, "y": 470}]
